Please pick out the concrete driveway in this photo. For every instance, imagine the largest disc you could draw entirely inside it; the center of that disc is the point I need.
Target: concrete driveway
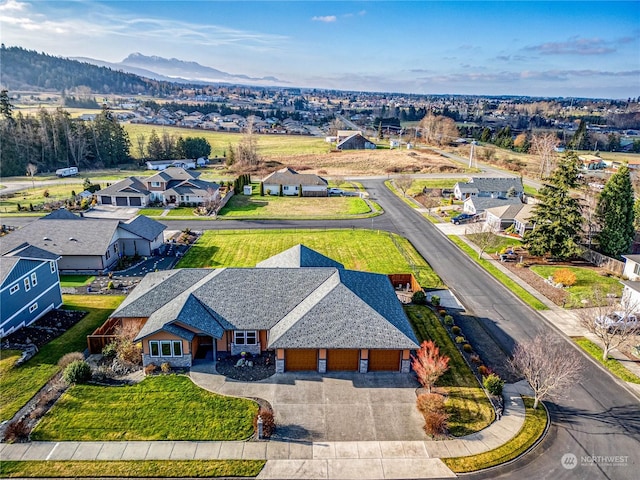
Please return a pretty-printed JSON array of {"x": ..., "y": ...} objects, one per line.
[{"x": 310, "y": 407}]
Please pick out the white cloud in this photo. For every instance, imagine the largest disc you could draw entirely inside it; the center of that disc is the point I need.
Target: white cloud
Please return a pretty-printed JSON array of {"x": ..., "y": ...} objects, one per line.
[
  {"x": 12, "y": 5},
  {"x": 325, "y": 19}
]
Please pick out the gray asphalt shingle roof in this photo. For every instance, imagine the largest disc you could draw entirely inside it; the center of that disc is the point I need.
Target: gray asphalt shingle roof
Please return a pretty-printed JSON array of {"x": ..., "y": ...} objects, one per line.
[
  {"x": 309, "y": 307},
  {"x": 288, "y": 176},
  {"x": 128, "y": 186},
  {"x": 492, "y": 184},
  {"x": 78, "y": 236},
  {"x": 299, "y": 256},
  {"x": 10, "y": 259},
  {"x": 483, "y": 203}
]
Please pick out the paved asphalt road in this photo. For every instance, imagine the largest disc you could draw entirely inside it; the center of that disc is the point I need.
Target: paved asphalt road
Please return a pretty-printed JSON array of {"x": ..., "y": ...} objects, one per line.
[{"x": 599, "y": 417}]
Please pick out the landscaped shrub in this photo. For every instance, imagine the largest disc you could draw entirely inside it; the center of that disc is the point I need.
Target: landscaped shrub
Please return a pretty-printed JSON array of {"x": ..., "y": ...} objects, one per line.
[
  {"x": 442, "y": 313},
  {"x": 483, "y": 371},
  {"x": 493, "y": 383},
  {"x": 435, "y": 424},
  {"x": 77, "y": 372},
  {"x": 430, "y": 402},
  {"x": 129, "y": 352},
  {"x": 448, "y": 320},
  {"x": 70, "y": 357},
  {"x": 419, "y": 298},
  {"x": 268, "y": 422},
  {"x": 456, "y": 330},
  {"x": 165, "y": 367},
  {"x": 110, "y": 285},
  {"x": 435, "y": 300},
  {"x": 467, "y": 348},
  {"x": 565, "y": 277},
  {"x": 17, "y": 431},
  {"x": 149, "y": 369},
  {"x": 460, "y": 340},
  {"x": 476, "y": 359},
  {"x": 110, "y": 350}
]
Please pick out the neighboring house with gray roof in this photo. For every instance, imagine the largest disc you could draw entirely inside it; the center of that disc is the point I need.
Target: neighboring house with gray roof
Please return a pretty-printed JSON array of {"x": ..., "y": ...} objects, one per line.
[
  {"x": 291, "y": 181},
  {"x": 478, "y": 205},
  {"x": 173, "y": 185},
  {"x": 357, "y": 141},
  {"x": 493, "y": 187},
  {"x": 29, "y": 286},
  {"x": 88, "y": 244},
  {"x": 309, "y": 309},
  {"x": 517, "y": 215}
]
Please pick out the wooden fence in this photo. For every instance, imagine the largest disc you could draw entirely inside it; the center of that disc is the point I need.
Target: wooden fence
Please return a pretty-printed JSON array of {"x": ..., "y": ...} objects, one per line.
[{"x": 600, "y": 260}]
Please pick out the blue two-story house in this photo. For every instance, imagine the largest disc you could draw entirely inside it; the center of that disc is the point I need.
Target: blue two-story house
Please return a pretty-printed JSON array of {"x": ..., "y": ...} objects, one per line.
[{"x": 29, "y": 286}]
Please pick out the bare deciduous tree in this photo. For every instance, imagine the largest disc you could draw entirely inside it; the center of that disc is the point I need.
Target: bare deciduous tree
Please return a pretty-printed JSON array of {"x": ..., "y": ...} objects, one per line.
[
  {"x": 432, "y": 199},
  {"x": 543, "y": 145},
  {"x": 141, "y": 142},
  {"x": 213, "y": 201},
  {"x": 609, "y": 320},
  {"x": 484, "y": 236},
  {"x": 548, "y": 365},
  {"x": 438, "y": 129},
  {"x": 338, "y": 180},
  {"x": 404, "y": 182},
  {"x": 32, "y": 169}
]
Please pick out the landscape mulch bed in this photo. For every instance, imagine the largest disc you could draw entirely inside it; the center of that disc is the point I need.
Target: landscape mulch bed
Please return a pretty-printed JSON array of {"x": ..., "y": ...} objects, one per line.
[
  {"x": 263, "y": 367},
  {"x": 42, "y": 331}
]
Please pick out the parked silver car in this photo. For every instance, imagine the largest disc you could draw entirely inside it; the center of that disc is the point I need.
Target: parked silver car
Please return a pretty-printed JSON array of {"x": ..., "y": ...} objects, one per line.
[{"x": 620, "y": 321}]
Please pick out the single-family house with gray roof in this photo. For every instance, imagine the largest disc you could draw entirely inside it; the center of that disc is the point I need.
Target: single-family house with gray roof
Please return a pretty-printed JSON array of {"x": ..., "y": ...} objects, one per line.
[
  {"x": 309, "y": 309},
  {"x": 517, "y": 215},
  {"x": 88, "y": 244},
  {"x": 357, "y": 141},
  {"x": 478, "y": 205},
  {"x": 291, "y": 181},
  {"x": 29, "y": 286},
  {"x": 173, "y": 185},
  {"x": 493, "y": 187}
]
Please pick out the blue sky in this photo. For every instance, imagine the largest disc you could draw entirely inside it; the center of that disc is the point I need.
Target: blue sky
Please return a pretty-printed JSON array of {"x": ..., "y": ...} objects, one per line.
[{"x": 577, "y": 48}]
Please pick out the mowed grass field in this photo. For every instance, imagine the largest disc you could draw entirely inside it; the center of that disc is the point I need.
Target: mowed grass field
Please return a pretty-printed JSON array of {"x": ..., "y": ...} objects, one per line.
[
  {"x": 267, "y": 206},
  {"x": 365, "y": 250},
  {"x": 268, "y": 145}
]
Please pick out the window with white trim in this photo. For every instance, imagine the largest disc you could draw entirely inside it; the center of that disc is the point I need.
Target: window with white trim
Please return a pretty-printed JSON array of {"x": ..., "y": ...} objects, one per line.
[
  {"x": 34, "y": 279},
  {"x": 165, "y": 348},
  {"x": 14, "y": 288},
  {"x": 53, "y": 267},
  {"x": 245, "y": 337},
  {"x": 33, "y": 307},
  {"x": 27, "y": 285},
  {"x": 636, "y": 269}
]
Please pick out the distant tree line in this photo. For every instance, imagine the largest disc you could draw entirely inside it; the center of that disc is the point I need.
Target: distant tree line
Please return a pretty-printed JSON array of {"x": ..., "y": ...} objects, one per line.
[
  {"x": 52, "y": 140},
  {"x": 27, "y": 69}
]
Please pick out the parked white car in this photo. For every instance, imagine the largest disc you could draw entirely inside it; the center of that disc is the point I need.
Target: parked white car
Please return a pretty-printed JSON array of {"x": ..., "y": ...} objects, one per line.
[{"x": 619, "y": 321}]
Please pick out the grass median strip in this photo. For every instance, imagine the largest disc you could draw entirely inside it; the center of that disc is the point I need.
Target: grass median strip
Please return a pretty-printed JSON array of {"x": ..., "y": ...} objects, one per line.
[
  {"x": 469, "y": 409},
  {"x": 132, "y": 469},
  {"x": 532, "y": 429},
  {"x": 613, "y": 365},
  {"x": 498, "y": 275},
  {"x": 18, "y": 385}
]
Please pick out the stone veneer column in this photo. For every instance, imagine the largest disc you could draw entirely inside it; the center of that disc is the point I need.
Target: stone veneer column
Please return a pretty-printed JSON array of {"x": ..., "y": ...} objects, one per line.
[
  {"x": 405, "y": 366},
  {"x": 364, "y": 365}
]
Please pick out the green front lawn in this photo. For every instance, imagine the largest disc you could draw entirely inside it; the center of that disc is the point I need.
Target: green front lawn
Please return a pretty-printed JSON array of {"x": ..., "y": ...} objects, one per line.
[
  {"x": 587, "y": 280},
  {"x": 267, "y": 206},
  {"x": 613, "y": 365},
  {"x": 76, "y": 280},
  {"x": 364, "y": 250},
  {"x": 468, "y": 406},
  {"x": 499, "y": 242},
  {"x": 523, "y": 294},
  {"x": 19, "y": 385},
  {"x": 164, "y": 407},
  {"x": 441, "y": 183},
  {"x": 534, "y": 424},
  {"x": 131, "y": 469}
]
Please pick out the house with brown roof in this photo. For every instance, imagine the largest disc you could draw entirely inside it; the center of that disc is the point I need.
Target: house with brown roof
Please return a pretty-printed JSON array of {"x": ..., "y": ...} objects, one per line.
[
  {"x": 307, "y": 308},
  {"x": 291, "y": 182}
]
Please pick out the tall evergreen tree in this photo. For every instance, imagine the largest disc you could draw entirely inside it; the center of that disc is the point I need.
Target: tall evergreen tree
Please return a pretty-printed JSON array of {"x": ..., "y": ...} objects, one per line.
[
  {"x": 615, "y": 214},
  {"x": 557, "y": 218}
]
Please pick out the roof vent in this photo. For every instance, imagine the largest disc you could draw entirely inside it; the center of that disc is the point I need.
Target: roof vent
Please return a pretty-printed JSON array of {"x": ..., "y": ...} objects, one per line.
[
  {"x": 46, "y": 239},
  {"x": 71, "y": 239}
]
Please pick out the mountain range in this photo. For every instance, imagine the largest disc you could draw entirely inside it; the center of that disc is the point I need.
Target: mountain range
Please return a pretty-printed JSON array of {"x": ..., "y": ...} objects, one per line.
[{"x": 175, "y": 70}]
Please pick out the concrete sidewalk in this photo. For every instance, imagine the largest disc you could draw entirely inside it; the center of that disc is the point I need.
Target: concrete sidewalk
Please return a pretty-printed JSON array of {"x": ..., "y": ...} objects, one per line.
[{"x": 303, "y": 460}]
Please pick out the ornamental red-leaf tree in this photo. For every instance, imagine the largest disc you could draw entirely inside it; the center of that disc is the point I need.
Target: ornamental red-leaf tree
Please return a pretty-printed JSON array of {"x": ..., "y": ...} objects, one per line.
[{"x": 428, "y": 364}]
